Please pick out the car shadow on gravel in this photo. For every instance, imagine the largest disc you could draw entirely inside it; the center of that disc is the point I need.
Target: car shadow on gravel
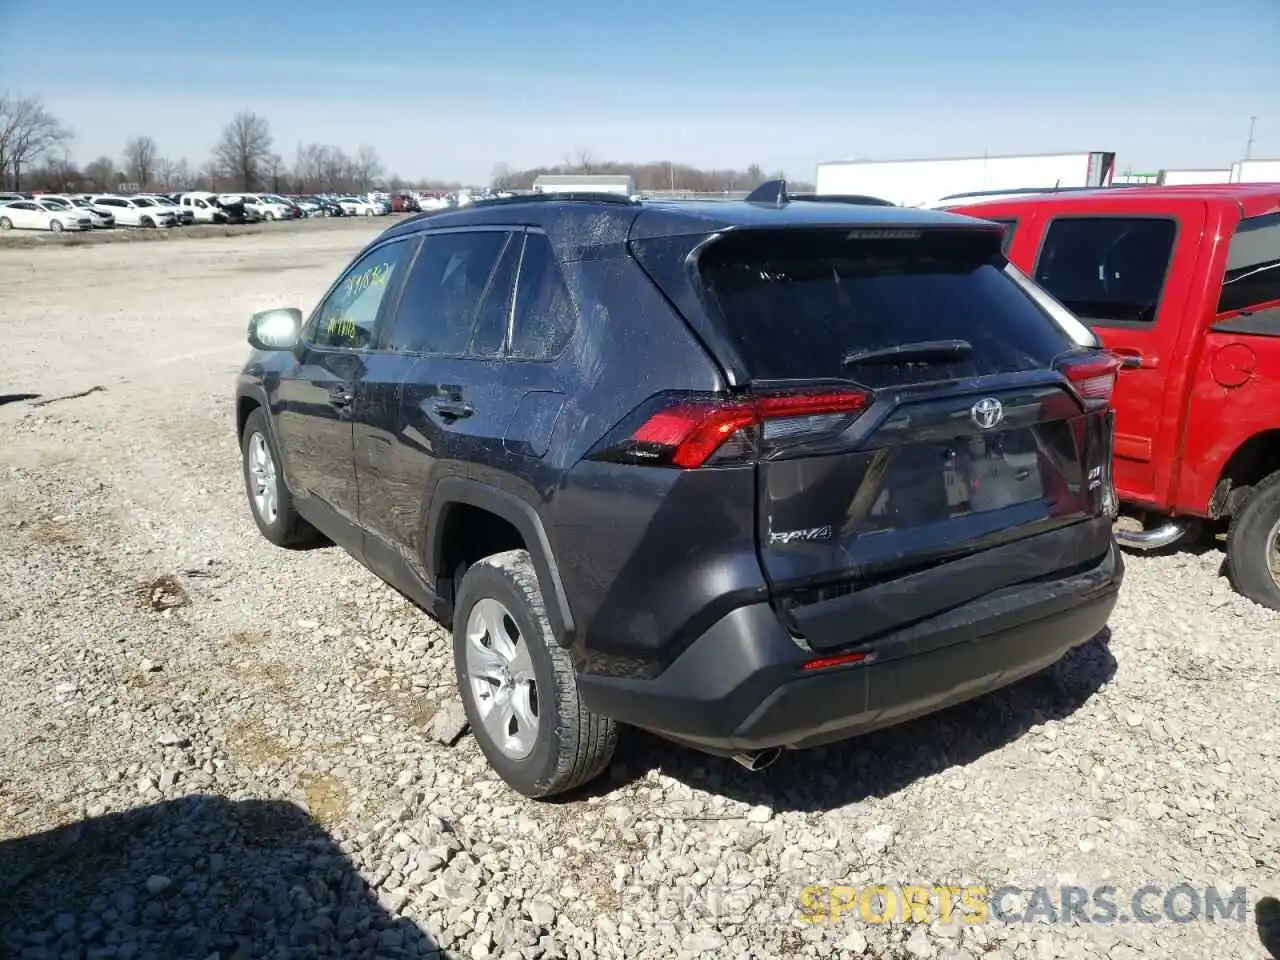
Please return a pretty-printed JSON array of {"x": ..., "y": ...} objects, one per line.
[
  {"x": 198, "y": 877},
  {"x": 1266, "y": 916},
  {"x": 882, "y": 763}
]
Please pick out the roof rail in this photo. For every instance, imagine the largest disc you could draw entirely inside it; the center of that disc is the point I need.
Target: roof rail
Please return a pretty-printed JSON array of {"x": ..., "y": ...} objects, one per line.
[{"x": 773, "y": 193}]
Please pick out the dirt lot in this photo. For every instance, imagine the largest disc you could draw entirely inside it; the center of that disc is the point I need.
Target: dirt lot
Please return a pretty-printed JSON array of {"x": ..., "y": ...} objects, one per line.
[{"x": 213, "y": 748}]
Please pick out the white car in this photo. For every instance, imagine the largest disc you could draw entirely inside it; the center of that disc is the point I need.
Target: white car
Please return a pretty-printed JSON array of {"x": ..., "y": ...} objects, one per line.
[
  {"x": 203, "y": 206},
  {"x": 134, "y": 211},
  {"x": 183, "y": 215},
  {"x": 355, "y": 207},
  {"x": 267, "y": 207},
  {"x": 98, "y": 219},
  {"x": 40, "y": 214}
]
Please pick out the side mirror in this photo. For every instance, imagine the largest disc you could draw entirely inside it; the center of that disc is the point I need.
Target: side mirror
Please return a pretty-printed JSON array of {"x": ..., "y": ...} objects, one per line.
[{"x": 278, "y": 329}]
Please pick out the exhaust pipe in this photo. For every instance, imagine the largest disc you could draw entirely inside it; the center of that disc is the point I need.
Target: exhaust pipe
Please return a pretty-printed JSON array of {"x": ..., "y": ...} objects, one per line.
[
  {"x": 1157, "y": 539},
  {"x": 758, "y": 759}
]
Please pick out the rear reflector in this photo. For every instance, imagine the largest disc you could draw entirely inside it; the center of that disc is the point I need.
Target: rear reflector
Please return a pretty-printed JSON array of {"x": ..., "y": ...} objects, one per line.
[
  {"x": 1092, "y": 376},
  {"x": 690, "y": 432},
  {"x": 843, "y": 660}
]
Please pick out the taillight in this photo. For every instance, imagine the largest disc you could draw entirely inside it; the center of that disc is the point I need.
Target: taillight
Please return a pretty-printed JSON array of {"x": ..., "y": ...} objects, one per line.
[
  {"x": 687, "y": 432},
  {"x": 1092, "y": 376}
]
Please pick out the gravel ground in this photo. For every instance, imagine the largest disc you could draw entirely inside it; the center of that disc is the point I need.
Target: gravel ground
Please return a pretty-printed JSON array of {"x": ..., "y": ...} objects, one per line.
[{"x": 212, "y": 748}]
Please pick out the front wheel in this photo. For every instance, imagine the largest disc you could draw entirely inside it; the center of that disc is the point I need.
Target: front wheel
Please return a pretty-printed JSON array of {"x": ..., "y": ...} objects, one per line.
[
  {"x": 56, "y": 226},
  {"x": 1253, "y": 545},
  {"x": 270, "y": 215},
  {"x": 269, "y": 497},
  {"x": 147, "y": 222},
  {"x": 368, "y": 211},
  {"x": 518, "y": 685}
]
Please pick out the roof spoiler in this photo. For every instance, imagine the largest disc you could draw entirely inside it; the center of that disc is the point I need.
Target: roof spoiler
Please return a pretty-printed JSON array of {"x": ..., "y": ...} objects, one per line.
[{"x": 773, "y": 193}]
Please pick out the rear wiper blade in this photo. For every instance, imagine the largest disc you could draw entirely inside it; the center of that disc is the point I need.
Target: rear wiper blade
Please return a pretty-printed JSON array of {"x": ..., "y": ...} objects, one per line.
[{"x": 922, "y": 351}]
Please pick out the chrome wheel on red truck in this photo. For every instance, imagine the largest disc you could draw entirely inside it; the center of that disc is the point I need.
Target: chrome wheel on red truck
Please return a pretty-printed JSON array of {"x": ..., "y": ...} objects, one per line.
[{"x": 1253, "y": 545}]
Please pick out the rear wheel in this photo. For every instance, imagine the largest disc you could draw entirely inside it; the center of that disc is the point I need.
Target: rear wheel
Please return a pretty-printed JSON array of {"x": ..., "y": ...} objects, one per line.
[
  {"x": 1253, "y": 545},
  {"x": 6, "y": 223},
  {"x": 269, "y": 497},
  {"x": 518, "y": 685}
]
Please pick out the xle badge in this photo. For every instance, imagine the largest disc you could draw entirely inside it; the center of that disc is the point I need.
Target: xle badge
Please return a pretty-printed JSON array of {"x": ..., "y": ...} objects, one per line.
[{"x": 797, "y": 536}]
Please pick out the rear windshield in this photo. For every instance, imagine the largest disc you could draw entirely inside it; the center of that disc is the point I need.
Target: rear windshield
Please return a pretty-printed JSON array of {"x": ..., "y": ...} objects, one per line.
[{"x": 797, "y": 305}]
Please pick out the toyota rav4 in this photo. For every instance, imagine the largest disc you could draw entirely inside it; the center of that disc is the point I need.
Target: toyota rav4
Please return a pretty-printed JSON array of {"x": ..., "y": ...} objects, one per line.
[{"x": 751, "y": 475}]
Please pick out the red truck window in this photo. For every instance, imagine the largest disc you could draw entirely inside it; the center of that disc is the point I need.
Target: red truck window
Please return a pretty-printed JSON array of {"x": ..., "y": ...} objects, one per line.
[
  {"x": 1253, "y": 265},
  {"x": 1107, "y": 270}
]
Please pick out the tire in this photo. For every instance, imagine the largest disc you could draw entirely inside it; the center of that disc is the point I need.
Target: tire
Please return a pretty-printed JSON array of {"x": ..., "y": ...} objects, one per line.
[
  {"x": 270, "y": 216},
  {"x": 56, "y": 226},
  {"x": 283, "y": 526},
  {"x": 1253, "y": 545},
  {"x": 368, "y": 212},
  {"x": 6, "y": 223},
  {"x": 147, "y": 222},
  {"x": 569, "y": 745}
]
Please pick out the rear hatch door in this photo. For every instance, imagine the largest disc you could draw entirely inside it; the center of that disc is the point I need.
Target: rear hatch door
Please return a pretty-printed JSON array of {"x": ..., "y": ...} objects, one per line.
[{"x": 969, "y": 442}]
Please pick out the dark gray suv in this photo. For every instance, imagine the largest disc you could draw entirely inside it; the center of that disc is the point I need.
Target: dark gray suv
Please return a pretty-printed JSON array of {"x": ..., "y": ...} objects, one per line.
[{"x": 752, "y": 475}]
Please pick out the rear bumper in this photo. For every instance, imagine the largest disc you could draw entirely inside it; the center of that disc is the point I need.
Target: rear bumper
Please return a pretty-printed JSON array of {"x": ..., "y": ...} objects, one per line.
[{"x": 740, "y": 685}]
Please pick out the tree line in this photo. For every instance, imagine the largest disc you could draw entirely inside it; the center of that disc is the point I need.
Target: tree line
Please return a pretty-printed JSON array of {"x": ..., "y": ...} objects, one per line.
[
  {"x": 35, "y": 155},
  {"x": 654, "y": 176}
]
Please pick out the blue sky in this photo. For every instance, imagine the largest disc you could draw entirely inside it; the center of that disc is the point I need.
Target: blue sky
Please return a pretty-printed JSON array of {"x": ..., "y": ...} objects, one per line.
[{"x": 446, "y": 88}]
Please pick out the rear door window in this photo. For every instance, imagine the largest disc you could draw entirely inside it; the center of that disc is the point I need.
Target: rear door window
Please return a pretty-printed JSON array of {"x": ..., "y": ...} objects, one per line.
[
  {"x": 1253, "y": 265},
  {"x": 816, "y": 304},
  {"x": 457, "y": 296},
  {"x": 1107, "y": 270}
]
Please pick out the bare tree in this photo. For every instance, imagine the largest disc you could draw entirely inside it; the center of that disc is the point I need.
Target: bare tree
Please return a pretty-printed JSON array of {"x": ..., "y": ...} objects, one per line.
[
  {"x": 502, "y": 177},
  {"x": 173, "y": 174},
  {"x": 275, "y": 171},
  {"x": 102, "y": 174},
  {"x": 366, "y": 167},
  {"x": 141, "y": 158},
  {"x": 244, "y": 149},
  {"x": 28, "y": 132},
  {"x": 586, "y": 162}
]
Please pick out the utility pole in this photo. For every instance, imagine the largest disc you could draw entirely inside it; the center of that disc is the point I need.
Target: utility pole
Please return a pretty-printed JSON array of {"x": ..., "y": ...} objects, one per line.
[{"x": 1248, "y": 147}]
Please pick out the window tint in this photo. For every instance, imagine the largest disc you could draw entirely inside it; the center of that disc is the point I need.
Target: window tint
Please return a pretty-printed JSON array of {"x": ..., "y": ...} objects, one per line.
[
  {"x": 545, "y": 315},
  {"x": 348, "y": 318},
  {"x": 1107, "y": 268},
  {"x": 24, "y": 206},
  {"x": 802, "y": 305},
  {"x": 1253, "y": 264},
  {"x": 453, "y": 291}
]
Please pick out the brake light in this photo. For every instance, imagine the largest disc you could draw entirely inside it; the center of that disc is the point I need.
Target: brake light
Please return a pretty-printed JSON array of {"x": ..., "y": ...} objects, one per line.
[
  {"x": 691, "y": 432},
  {"x": 1093, "y": 377}
]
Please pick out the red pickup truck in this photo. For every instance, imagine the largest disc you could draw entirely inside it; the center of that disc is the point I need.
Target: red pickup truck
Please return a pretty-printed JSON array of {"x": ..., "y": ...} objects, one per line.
[{"x": 1183, "y": 284}]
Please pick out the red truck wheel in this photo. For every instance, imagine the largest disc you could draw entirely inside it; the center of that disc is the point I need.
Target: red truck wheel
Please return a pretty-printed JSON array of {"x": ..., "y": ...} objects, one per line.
[{"x": 1253, "y": 545}]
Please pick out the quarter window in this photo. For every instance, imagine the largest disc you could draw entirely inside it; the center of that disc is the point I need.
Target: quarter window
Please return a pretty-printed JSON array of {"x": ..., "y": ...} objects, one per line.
[
  {"x": 545, "y": 315},
  {"x": 1010, "y": 228},
  {"x": 1107, "y": 269},
  {"x": 457, "y": 297},
  {"x": 1253, "y": 265},
  {"x": 348, "y": 318}
]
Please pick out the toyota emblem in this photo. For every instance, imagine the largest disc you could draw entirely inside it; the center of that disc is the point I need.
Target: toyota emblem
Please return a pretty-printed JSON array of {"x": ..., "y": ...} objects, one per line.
[{"x": 987, "y": 413}]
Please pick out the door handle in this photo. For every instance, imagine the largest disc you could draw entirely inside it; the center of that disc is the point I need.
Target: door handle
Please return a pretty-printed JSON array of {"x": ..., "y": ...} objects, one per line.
[
  {"x": 340, "y": 396},
  {"x": 454, "y": 409}
]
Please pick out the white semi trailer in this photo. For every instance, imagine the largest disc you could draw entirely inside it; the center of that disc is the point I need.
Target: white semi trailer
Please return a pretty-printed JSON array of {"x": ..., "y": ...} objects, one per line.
[
  {"x": 1255, "y": 171},
  {"x": 926, "y": 183},
  {"x": 1182, "y": 178}
]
